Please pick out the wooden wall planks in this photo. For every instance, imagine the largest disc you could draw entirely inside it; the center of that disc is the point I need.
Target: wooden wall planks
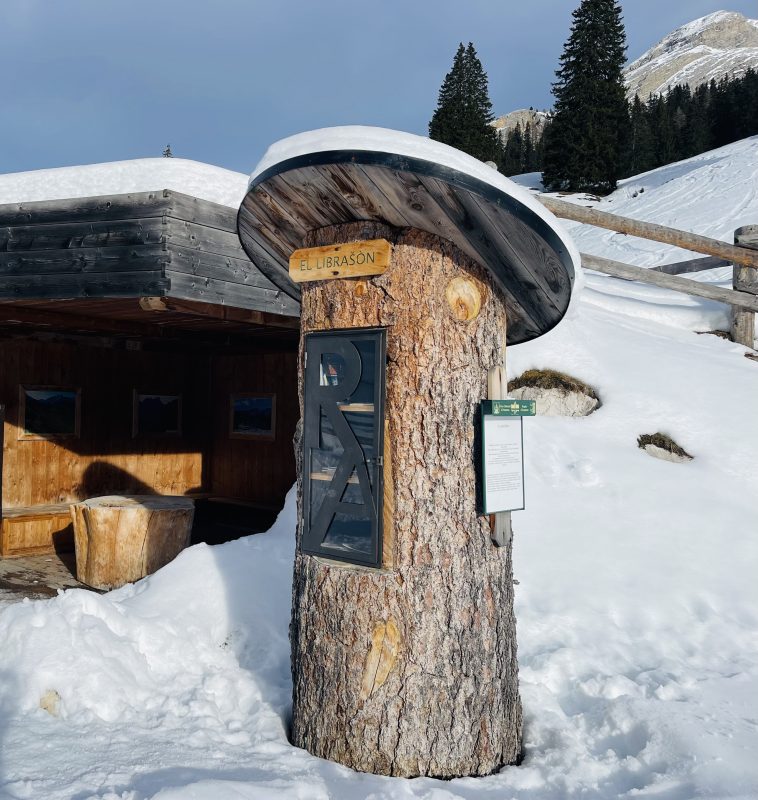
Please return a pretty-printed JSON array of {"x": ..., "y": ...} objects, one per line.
[
  {"x": 105, "y": 458},
  {"x": 162, "y": 244},
  {"x": 154, "y": 244},
  {"x": 35, "y": 536},
  {"x": 255, "y": 470}
]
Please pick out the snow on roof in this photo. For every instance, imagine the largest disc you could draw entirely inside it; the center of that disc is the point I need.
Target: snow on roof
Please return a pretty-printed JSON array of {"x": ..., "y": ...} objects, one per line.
[
  {"x": 383, "y": 140},
  {"x": 215, "y": 184}
]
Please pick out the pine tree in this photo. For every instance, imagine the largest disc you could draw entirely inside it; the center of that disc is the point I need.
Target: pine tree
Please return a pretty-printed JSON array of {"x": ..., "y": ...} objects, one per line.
[
  {"x": 513, "y": 153},
  {"x": 464, "y": 111},
  {"x": 697, "y": 120},
  {"x": 642, "y": 153},
  {"x": 588, "y": 135},
  {"x": 663, "y": 131},
  {"x": 529, "y": 159}
]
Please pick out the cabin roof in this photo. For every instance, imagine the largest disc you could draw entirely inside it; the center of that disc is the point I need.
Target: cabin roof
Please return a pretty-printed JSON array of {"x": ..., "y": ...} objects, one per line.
[{"x": 161, "y": 243}]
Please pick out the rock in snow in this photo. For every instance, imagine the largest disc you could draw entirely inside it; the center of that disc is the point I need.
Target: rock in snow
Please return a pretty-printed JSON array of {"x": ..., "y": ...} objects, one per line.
[
  {"x": 555, "y": 403},
  {"x": 665, "y": 455},
  {"x": 555, "y": 393}
]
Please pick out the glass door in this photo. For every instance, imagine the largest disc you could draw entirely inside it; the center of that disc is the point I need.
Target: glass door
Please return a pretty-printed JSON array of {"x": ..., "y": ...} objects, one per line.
[{"x": 343, "y": 441}]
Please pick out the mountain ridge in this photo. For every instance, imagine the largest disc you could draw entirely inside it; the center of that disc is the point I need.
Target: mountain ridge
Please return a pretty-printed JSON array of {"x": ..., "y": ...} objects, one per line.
[{"x": 709, "y": 47}]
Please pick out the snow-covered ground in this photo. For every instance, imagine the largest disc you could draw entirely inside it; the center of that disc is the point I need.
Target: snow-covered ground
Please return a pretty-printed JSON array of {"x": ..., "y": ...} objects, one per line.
[
  {"x": 637, "y": 603},
  {"x": 711, "y": 194}
]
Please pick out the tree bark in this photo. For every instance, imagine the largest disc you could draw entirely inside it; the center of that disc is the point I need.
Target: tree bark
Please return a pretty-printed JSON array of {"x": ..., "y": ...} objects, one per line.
[
  {"x": 120, "y": 539},
  {"x": 411, "y": 669}
]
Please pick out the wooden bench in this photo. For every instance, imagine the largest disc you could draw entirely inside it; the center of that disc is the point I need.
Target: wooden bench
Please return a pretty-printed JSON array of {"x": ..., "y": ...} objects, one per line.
[{"x": 35, "y": 530}]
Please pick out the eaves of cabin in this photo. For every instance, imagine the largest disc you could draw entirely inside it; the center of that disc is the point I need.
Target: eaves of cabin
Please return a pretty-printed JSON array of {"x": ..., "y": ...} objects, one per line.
[{"x": 121, "y": 258}]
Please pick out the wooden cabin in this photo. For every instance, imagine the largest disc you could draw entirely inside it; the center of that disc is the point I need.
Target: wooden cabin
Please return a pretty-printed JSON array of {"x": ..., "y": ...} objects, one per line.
[{"x": 141, "y": 351}]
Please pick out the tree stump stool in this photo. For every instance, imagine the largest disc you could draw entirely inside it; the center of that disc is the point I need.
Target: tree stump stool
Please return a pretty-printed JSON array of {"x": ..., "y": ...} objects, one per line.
[{"x": 122, "y": 538}]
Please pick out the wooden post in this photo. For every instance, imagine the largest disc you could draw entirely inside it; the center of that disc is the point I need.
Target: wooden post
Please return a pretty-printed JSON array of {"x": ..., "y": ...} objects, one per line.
[
  {"x": 411, "y": 669},
  {"x": 745, "y": 279},
  {"x": 2, "y": 448}
]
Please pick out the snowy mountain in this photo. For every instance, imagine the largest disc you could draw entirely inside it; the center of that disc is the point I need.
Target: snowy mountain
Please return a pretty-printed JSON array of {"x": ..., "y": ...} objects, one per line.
[
  {"x": 723, "y": 43},
  {"x": 637, "y": 605},
  {"x": 524, "y": 116}
]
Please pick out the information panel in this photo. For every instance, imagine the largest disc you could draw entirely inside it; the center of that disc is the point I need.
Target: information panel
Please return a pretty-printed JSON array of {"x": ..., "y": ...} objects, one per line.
[
  {"x": 503, "y": 478},
  {"x": 503, "y": 454}
]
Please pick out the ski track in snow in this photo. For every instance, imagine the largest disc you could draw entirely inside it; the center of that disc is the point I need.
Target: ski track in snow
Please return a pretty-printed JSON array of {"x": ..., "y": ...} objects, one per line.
[{"x": 637, "y": 607}]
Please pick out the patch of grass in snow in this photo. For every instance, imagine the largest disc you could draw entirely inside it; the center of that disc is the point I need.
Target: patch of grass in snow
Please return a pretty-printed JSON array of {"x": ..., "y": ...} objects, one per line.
[
  {"x": 552, "y": 379},
  {"x": 721, "y": 334},
  {"x": 664, "y": 441}
]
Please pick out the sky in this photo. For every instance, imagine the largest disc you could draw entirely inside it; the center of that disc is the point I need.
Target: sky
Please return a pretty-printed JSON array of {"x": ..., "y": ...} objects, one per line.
[{"x": 87, "y": 81}]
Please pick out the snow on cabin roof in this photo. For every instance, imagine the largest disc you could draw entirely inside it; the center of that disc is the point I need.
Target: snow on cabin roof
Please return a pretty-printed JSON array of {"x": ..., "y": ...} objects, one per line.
[{"x": 214, "y": 184}]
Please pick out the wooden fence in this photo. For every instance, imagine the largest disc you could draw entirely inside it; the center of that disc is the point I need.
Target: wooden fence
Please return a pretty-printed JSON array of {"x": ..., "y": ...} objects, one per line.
[{"x": 743, "y": 255}]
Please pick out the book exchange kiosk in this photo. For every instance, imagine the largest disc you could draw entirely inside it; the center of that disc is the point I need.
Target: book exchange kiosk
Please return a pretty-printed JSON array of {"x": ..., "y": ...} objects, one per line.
[{"x": 170, "y": 367}]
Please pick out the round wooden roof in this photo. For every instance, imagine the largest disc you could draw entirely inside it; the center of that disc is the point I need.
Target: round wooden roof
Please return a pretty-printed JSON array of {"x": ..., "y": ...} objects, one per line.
[{"x": 490, "y": 219}]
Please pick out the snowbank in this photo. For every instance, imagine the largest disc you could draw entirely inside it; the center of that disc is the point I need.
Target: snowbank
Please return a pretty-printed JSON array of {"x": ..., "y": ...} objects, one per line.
[
  {"x": 196, "y": 654},
  {"x": 711, "y": 194},
  {"x": 637, "y": 610}
]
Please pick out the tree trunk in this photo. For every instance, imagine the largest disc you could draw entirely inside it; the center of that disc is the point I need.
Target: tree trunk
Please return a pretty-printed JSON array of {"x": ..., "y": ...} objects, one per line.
[
  {"x": 120, "y": 539},
  {"x": 411, "y": 670}
]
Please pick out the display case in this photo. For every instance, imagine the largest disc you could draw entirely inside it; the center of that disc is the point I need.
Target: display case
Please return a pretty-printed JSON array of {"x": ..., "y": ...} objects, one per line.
[{"x": 343, "y": 440}]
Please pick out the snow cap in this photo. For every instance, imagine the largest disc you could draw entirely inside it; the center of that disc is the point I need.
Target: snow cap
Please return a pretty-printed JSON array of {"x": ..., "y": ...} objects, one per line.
[{"x": 499, "y": 224}]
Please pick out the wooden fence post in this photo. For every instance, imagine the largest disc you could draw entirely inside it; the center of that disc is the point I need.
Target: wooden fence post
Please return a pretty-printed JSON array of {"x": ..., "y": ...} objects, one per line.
[{"x": 745, "y": 279}]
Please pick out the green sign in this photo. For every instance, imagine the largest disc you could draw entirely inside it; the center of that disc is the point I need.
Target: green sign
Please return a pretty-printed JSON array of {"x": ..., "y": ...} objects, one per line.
[{"x": 509, "y": 408}]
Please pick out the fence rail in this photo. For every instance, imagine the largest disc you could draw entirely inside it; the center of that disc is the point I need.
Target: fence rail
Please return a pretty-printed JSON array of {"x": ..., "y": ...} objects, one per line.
[
  {"x": 651, "y": 230},
  {"x": 743, "y": 255},
  {"x": 692, "y": 265},
  {"x": 621, "y": 270}
]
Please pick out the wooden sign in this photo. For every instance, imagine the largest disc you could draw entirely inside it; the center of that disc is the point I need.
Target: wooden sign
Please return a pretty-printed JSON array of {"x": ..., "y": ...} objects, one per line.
[{"x": 350, "y": 260}]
